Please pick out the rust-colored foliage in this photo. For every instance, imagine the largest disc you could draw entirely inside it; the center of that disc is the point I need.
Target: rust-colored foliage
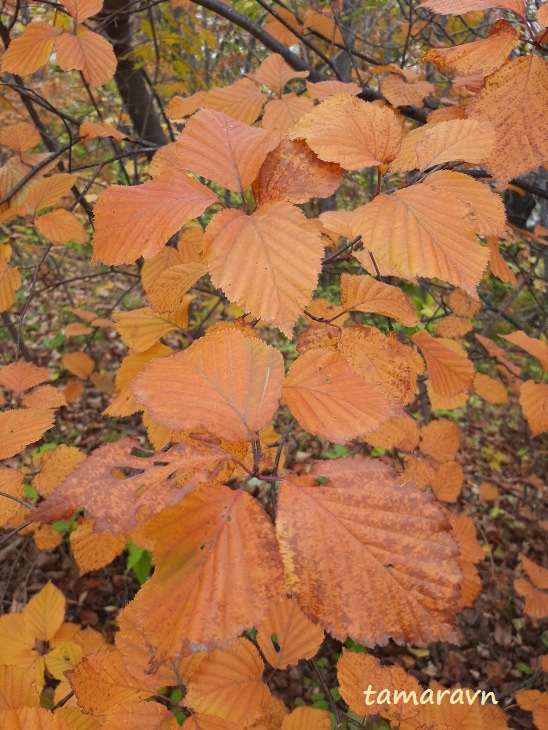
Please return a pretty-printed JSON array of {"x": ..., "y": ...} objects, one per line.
[{"x": 307, "y": 239}]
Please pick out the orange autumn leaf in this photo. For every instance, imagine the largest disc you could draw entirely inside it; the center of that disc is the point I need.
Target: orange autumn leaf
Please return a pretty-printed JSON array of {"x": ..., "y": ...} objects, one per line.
[
  {"x": 188, "y": 604},
  {"x": 282, "y": 114},
  {"x": 484, "y": 56},
  {"x": 267, "y": 262},
  {"x": 453, "y": 327},
  {"x": 241, "y": 101},
  {"x": 226, "y": 382},
  {"x": 514, "y": 101},
  {"x": 87, "y": 52},
  {"x": 49, "y": 190},
  {"x": 536, "y": 602},
  {"x": 79, "y": 364},
  {"x": 487, "y": 210},
  {"x": 537, "y": 574},
  {"x": 93, "y": 130},
  {"x": 93, "y": 550},
  {"x": 458, "y": 140},
  {"x": 462, "y": 304},
  {"x": 447, "y": 481},
  {"x": 30, "y": 51},
  {"x": 535, "y": 347},
  {"x": 116, "y": 502},
  {"x": 184, "y": 106},
  {"x": 10, "y": 281},
  {"x": 275, "y": 73},
  {"x": 21, "y": 427},
  {"x": 140, "y": 329},
  {"x": 381, "y": 360},
  {"x": 60, "y": 226},
  {"x": 490, "y": 389},
  {"x": 459, "y": 7},
  {"x": 533, "y": 399},
  {"x": 365, "y": 294},
  {"x": 401, "y": 93},
  {"x": 102, "y": 681},
  {"x": 324, "y": 89},
  {"x": 351, "y": 132},
  {"x": 421, "y": 231},
  {"x": 138, "y": 221},
  {"x": 11, "y": 483},
  {"x": 227, "y": 152},
  {"x": 21, "y": 376},
  {"x": 397, "y": 433},
  {"x": 292, "y": 172},
  {"x": 440, "y": 440},
  {"x": 168, "y": 290},
  {"x": 20, "y": 137},
  {"x": 355, "y": 671},
  {"x": 450, "y": 371},
  {"x": 296, "y": 636},
  {"x": 17, "y": 688},
  {"x": 497, "y": 263},
  {"x": 306, "y": 718},
  {"x": 328, "y": 398},
  {"x": 228, "y": 684},
  {"x": 397, "y": 594},
  {"x": 32, "y": 718},
  {"x": 81, "y": 10}
]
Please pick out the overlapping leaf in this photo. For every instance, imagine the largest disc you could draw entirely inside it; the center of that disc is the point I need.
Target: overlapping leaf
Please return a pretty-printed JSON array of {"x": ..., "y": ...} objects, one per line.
[
  {"x": 421, "y": 231},
  {"x": 217, "y": 571},
  {"x": 267, "y": 262},
  {"x": 118, "y": 502},
  {"x": 328, "y": 398},
  {"x": 226, "y": 382},
  {"x": 350, "y": 132},
  {"x": 227, "y": 152},
  {"x": 365, "y": 294},
  {"x": 392, "y": 544},
  {"x": 138, "y": 221}
]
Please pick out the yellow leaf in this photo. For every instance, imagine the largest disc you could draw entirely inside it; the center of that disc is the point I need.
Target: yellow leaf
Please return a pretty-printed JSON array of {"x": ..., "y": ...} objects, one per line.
[
  {"x": 536, "y": 347},
  {"x": 324, "y": 89},
  {"x": 440, "y": 440},
  {"x": 17, "y": 688},
  {"x": 306, "y": 718},
  {"x": 169, "y": 289},
  {"x": 45, "y": 612}
]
